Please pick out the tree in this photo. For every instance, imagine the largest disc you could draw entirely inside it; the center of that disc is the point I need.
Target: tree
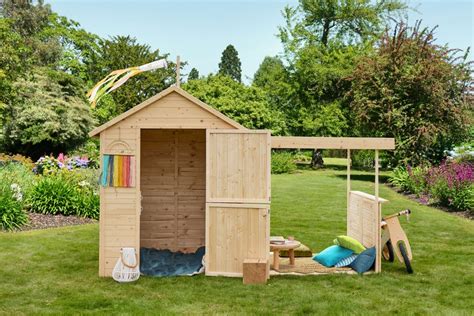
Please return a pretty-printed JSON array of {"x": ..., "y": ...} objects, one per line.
[
  {"x": 345, "y": 21},
  {"x": 122, "y": 52},
  {"x": 415, "y": 91},
  {"x": 230, "y": 64},
  {"x": 45, "y": 119},
  {"x": 193, "y": 74},
  {"x": 246, "y": 105},
  {"x": 322, "y": 41}
]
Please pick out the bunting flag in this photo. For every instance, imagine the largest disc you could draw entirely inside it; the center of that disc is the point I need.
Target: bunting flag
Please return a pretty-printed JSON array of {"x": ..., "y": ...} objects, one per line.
[
  {"x": 118, "y": 171},
  {"x": 118, "y": 77}
]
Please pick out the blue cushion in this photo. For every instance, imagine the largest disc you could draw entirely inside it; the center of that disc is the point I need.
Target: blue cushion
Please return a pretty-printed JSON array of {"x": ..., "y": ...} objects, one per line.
[
  {"x": 364, "y": 260},
  {"x": 332, "y": 255},
  {"x": 346, "y": 261}
]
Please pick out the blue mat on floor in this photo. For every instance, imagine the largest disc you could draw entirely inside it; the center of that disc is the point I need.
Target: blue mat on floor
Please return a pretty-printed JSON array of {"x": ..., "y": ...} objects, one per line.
[{"x": 156, "y": 262}]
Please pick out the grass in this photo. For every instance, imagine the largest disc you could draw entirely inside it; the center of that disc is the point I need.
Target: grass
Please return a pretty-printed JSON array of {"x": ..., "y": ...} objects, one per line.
[{"x": 55, "y": 270}]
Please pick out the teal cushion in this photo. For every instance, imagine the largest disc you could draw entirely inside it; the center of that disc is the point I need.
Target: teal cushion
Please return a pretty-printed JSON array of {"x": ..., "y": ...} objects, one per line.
[
  {"x": 364, "y": 261},
  {"x": 349, "y": 243},
  {"x": 332, "y": 255}
]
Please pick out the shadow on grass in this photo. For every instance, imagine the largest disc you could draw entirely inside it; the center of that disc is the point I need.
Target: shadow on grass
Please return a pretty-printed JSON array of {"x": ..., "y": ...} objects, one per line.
[{"x": 364, "y": 177}]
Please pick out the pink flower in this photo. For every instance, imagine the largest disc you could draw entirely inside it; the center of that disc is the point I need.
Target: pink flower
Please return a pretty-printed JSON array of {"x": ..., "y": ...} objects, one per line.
[{"x": 61, "y": 157}]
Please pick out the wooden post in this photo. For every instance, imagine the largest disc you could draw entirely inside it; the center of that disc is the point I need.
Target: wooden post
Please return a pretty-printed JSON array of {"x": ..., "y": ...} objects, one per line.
[
  {"x": 348, "y": 177},
  {"x": 378, "y": 250},
  {"x": 178, "y": 69}
]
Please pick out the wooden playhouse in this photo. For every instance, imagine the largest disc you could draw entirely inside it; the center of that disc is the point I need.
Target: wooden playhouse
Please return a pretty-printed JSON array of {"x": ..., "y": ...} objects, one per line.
[{"x": 198, "y": 178}]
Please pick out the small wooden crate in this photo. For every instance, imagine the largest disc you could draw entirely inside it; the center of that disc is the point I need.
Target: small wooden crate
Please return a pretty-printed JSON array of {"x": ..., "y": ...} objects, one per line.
[{"x": 255, "y": 271}]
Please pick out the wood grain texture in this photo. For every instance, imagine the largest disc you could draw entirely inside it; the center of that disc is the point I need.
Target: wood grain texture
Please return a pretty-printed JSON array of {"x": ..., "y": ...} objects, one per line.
[
  {"x": 235, "y": 233},
  {"x": 238, "y": 167},
  {"x": 363, "y": 221},
  {"x": 298, "y": 142},
  {"x": 173, "y": 189},
  {"x": 171, "y": 97}
]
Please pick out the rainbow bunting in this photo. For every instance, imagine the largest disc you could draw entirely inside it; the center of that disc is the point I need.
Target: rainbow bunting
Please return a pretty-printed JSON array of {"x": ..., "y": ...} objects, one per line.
[{"x": 118, "y": 171}]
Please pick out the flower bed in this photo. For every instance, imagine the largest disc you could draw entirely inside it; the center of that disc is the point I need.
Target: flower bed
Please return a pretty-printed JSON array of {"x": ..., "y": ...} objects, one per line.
[
  {"x": 53, "y": 185},
  {"x": 450, "y": 184}
]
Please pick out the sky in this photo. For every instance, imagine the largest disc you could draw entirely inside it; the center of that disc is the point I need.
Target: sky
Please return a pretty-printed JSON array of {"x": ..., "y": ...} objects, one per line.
[{"x": 199, "y": 31}]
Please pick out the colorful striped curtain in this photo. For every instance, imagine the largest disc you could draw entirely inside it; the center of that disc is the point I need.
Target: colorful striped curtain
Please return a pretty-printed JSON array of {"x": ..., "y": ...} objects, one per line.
[{"x": 118, "y": 171}]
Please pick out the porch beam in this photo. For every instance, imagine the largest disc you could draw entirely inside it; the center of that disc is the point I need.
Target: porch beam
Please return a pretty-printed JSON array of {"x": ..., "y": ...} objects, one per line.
[{"x": 301, "y": 142}]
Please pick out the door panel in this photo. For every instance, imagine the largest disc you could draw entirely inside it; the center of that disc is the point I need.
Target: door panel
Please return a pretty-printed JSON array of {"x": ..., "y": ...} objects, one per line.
[
  {"x": 237, "y": 199},
  {"x": 238, "y": 166}
]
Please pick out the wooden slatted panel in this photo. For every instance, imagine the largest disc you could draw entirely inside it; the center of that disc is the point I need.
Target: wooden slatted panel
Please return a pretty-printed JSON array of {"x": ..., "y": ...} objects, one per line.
[
  {"x": 171, "y": 112},
  {"x": 238, "y": 166},
  {"x": 363, "y": 219},
  {"x": 235, "y": 232},
  {"x": 173, "y": 189},
  {"x": 118, "y": 225}
]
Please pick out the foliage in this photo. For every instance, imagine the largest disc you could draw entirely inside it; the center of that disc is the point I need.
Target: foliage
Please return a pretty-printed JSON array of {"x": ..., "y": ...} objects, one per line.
[
  {"x": 452, "y": 185},
  {"x": 414, "y": 91},
  {"x": 11, "y": 209},
  {"x": 362, "y": 158},
  {"x": 346, "y": 21},
  {"x": 274, "y": 78},
  {"x": 122, "y": 52},
  {"x": 230, "y": 64},
  {"x": 90, "y": 150},
  {"x": 283, "y": 162},
  {"x": 61, "y": 193},
  {"x": 193, "y": 74},
  {"x": 45, "y": 119},
  {"x": 15, "y": 182},
  {"x": 246, "y": 105},
  {"x": 7, "y": 159}
]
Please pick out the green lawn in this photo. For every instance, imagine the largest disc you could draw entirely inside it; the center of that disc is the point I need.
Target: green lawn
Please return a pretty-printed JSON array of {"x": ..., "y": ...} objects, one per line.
[{"x": 55, "y": 270}]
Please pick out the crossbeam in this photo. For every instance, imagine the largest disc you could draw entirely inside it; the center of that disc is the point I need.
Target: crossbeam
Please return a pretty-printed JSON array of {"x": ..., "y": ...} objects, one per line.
[{"x": 300, "y": 142}]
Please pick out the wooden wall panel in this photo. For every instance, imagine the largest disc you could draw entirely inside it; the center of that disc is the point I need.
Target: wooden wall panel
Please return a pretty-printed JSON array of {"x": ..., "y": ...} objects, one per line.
[
  {"x": 118, "y": 206},
  {"x": 238, "y": 167},
  {"x": 118, "y": 218},
  {"x": 172, "y": 112},
  {"x": 235, "y": 232},
  {"x": 363, "y": 219},
  {"x": 173, "y": 189}
]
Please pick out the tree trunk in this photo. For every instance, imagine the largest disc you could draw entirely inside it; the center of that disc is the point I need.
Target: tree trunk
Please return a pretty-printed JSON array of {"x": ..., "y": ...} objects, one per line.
[{"x": 317, "y": 159}]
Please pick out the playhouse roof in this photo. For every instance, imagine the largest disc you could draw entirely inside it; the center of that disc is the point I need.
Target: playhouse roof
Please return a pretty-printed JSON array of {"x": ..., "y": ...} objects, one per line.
[{"x": 156, "y": 98}]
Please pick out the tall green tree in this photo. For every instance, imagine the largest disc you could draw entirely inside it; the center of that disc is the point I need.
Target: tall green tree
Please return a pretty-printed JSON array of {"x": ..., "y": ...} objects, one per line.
[
  {"x": 415, "y": 91},
  {"x": 46, "y": 118},
  {"x": 193, "y": 74},
  {"x": 246, "y": 105},
  {"x": 122, "y": 52},
  {"x": 230, "y": 64}
]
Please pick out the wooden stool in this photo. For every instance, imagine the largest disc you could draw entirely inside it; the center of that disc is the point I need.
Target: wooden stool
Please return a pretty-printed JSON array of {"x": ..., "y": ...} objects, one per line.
[{"x": 288, "y": 245}]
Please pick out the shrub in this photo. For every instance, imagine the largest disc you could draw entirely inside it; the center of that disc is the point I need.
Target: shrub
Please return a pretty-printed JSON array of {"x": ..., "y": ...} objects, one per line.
[
  {"x": 409, "y": 179},
  {"x": 6, "y": 159},
  {"x": 17, "y": 174},
  {"x": 15, "y": 181},
  {"x": 363, "y": 158},
  {"x": 452, "y": 185},
  {"x": 11, "y": 211},
  {"x": 283, "y": 162},
  {"x": 61, "y": 193},
  {"x": 89, "y": 150}
]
